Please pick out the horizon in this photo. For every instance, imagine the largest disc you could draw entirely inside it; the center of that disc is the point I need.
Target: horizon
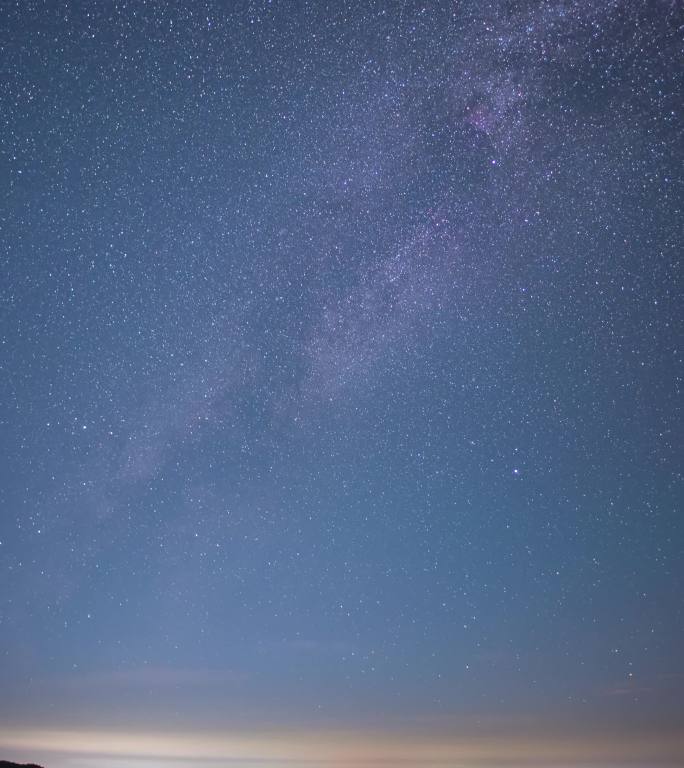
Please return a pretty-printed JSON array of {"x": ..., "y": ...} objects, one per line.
[{"x": 350, "y": 749}]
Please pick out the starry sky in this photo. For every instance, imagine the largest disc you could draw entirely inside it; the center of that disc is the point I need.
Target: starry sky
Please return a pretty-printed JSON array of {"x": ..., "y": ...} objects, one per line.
[{"x": 340, "y": 355}]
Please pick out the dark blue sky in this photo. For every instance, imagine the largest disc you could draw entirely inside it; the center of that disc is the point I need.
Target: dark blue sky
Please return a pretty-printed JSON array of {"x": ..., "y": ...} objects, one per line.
[{"x": 341, "y": 356}]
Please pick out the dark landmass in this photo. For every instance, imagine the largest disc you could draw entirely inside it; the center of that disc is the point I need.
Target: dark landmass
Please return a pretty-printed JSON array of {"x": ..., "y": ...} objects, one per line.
[{"x": 5, "y": 764}]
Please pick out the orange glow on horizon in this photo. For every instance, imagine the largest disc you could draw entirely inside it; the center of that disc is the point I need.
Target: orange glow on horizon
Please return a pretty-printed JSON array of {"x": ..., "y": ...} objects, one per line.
[{"x": 339, "y": 749}]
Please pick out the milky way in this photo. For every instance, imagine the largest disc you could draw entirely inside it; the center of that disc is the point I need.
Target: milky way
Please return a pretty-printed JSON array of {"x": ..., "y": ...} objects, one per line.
[{"x": 341, "y": 354}]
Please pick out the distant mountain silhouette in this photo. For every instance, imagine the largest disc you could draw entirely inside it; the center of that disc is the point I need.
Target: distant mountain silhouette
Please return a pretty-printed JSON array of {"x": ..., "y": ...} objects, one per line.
[{"x": 5, "y": 764}]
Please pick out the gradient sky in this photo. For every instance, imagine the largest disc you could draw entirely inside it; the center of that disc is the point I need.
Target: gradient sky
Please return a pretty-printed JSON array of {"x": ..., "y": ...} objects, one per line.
[{"x": 340, "y": 347}]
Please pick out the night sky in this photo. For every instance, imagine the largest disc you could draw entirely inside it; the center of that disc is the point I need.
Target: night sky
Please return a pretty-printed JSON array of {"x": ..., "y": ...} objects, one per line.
[{"x": 340, "y": 355}]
